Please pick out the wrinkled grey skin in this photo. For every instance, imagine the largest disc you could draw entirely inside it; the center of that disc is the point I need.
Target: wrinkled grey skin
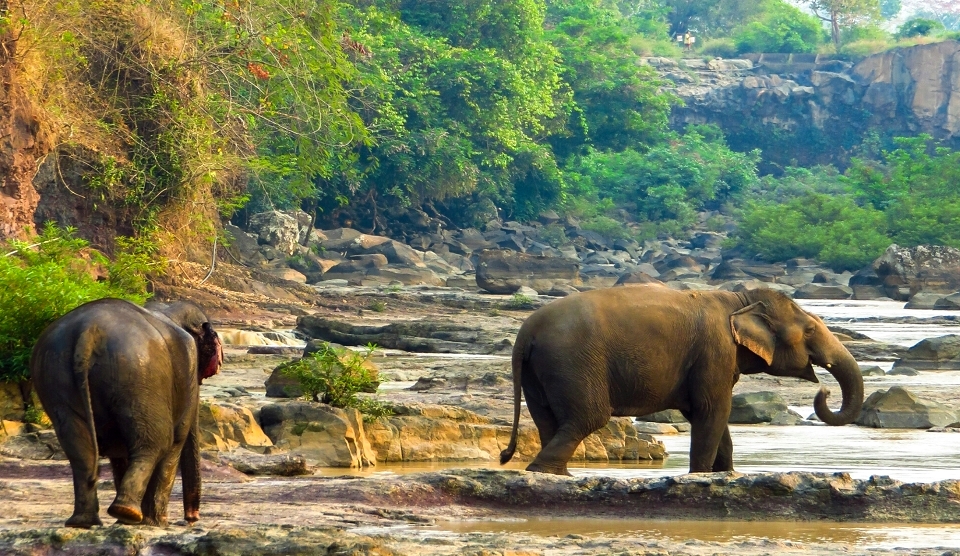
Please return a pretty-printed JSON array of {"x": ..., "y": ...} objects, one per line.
[
  {"x": 633, "y": 351},
  {"x": 122, "y": 382}
]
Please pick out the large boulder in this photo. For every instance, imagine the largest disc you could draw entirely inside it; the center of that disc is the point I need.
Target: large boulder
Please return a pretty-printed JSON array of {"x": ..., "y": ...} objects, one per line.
[
  {"x": 939, "y": 354},
  {"x": 397, "y": 253},
  {"x": 757, "y": 407},
  {"x": 898, "y": 408},
  {"x": 905, "y": 272},
  {"x": 504, "y": 272},
  {"x": 423, "y": 432},
  {"x": 276, "y": 229},
  {"x": 326, "y": 436},
  {"x": 823, "y": 291},
  {"x": 224, "y": 427},
  {"x": 950, "y": 302}
]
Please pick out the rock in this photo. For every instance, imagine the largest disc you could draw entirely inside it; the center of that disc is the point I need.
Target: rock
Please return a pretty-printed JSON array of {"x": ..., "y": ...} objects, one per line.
[
  {"x": 728, "y": 270},
  {"x": 866, "y": 284},
  {"x": 526, "y": 291},
  {"x": 924, "y": 268},
  {"x": 326, "y": 436},
  {"x": 818, "y": 291},
  {"x": 418, "y": 336},
  {"x": 941, "y": 353},
  {"x": 852, "y": 334},
  {"x": 286, "y": 274},
  {"x": 252, "y": 463},
  {"x": 923, "y": 300},
  {"x": 504, "y": 272},
  {"x": 466, "y": 282},
  {"x": 707, "y": 240},
  {"x": 950, "y": 302},
  {"x": 276, "y": 229},
  {"x": 599, "y": 276},
  {"x": 548, "y": 217},
  {"x": 424, "y": 432},
  {"x": 11, "y": 428},
  {"x": 41, "y": 445},
  {"x": 872, "y": 370},
  {"x": 874, "y": 351},
  {"x": 273, "y": 350},
  {"x": 647, "y": 427},
  {"x": 405, "y": 275},
  {"x": 397, "y": 253},
  {"x": 243, "y": 245},
  {"x": 903, "y": 371},
  {"x": 11, "y": 402},
  {"x": 666, "y": 416},
  {"x": 224, "y": 427},
  {"x": 636, "y": 277},
  {"x": 756, "y": 407},
  {"x": 897, "y": 408},
  {"x": 788, "y": 418}
]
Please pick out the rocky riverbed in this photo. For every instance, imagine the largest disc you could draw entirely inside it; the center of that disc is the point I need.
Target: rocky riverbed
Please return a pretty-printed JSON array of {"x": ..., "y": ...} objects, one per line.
[{"x": 287, "y": 476}]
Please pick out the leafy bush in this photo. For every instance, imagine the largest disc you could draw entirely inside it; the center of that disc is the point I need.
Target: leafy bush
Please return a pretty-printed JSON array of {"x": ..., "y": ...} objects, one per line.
[
  {"x": 335, "y": 375},
  {"x": 520, "y": 301},
  {"x": 722, "y": 47},
  {"x": 553, "y": 235},
  {"x": 920, "y": 27},
  {"x": 606, "y": 226},
  {"x": 781, "y": 28},
  {"x": 834, "y": 230},
  {"x": 44, "y": 280}
]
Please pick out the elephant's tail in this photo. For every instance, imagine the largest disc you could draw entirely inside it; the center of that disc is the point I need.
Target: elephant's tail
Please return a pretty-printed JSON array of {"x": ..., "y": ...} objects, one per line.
[
  {"x": 83, "y": 357},
  {"x": 521, "y": 352}
]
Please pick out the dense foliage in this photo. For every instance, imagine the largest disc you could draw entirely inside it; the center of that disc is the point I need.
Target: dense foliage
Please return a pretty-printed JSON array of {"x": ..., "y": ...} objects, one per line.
[
  {"x": 908, "y": 197},
  {"x": 43, "y": 280}
]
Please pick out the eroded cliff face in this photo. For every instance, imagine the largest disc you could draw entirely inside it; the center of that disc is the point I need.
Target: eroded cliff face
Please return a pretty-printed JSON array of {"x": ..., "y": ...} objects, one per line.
[
  {"x": 820, "y": 114},
  {"x": 23, "y": 144}
]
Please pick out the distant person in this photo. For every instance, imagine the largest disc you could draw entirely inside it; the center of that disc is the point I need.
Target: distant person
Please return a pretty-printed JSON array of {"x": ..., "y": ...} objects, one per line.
[{"x": 686, "y": 40}]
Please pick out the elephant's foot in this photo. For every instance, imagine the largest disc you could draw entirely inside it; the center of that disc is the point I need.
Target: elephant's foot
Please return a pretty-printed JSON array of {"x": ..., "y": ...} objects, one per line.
[
  {"x": 192, "y": 516},
  {"x": 552, "y": 469},
  {"x": 84, "y": 521},
  {"x": 128, "y": 515},
  {"x": 154, "y": 522}
]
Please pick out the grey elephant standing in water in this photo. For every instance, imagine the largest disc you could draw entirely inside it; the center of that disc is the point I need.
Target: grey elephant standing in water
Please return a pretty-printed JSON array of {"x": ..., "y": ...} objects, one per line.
[
  {"x": 637, "y": 350},
  {"x": 122, "y": 382}
]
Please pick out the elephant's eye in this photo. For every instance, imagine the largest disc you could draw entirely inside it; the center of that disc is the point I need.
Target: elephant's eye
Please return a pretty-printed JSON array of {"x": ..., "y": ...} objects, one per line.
[{"x": 810, "y": 330}]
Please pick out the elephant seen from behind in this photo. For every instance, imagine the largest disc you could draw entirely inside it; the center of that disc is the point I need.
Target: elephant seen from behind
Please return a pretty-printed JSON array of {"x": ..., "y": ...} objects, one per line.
[
  {"x": 632, "y": 351},
  {"x": 121, "y": 381}
]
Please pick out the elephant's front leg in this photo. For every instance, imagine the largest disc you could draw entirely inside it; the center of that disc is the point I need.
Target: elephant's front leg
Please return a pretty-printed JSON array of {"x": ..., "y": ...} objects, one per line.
[
  {"x": 707, "y": 431},
  {"x": 724, "y": 459}
]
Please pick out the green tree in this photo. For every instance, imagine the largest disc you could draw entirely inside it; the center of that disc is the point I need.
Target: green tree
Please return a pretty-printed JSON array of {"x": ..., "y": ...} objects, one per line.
[
  {"x": 889, "y": 9},
  {"x": 780, "y": 28},
  {"x": 845, "y": 13}
]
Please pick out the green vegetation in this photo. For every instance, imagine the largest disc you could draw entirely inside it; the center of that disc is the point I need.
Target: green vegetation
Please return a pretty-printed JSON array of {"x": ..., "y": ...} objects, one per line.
[
  {"x": 336, "y": 375},
  {"x": 519, "y": 301},
  {"x": 907, "y": 197},
  {"x": 44, "y": 279}
]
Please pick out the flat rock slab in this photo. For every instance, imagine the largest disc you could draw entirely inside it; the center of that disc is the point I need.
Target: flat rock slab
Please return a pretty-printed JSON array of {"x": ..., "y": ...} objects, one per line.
[
  {"x": 763, "y": 496},
  {"x": 416, "y": 336}
]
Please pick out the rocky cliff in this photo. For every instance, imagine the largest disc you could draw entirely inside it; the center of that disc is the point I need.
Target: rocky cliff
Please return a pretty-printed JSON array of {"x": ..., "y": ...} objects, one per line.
[{"x": 819, "y": 112}]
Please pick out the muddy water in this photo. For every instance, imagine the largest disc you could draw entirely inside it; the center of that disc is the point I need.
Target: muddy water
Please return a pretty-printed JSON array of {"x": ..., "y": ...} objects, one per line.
[{"x": 866, "y": 535}]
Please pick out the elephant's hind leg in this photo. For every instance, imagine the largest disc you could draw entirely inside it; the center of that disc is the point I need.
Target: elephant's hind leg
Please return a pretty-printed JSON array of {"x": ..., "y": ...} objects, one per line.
[
  {"x": 157, "y": 497},
  {"x": 80, "y": 450},
  {"x": 553, "y": 457},
  {"x": 130, "y": 491}
]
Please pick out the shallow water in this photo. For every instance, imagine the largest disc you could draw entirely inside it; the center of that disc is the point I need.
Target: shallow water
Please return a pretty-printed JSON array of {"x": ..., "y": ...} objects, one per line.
[
  {"x": 846, "y": 312},
  {"x": 864, "y": 535}
]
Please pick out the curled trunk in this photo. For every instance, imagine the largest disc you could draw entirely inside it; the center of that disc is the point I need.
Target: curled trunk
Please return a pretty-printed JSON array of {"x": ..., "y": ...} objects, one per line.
[{"x": 847, "y": 373}]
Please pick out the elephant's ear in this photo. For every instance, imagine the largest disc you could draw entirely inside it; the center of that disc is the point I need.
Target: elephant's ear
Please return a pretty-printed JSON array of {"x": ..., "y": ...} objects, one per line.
[{"x": 751, "y": 329}]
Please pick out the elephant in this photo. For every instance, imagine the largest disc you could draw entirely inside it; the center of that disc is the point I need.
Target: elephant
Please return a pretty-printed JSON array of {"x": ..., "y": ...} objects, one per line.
[
  {"x": 636, "y": 350},
  {"x": 121, "y": 381}
]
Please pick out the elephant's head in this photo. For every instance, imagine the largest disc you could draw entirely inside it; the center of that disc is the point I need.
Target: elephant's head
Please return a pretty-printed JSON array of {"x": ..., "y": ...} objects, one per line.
[
  {"x": 189, "y": 317},
  {"x": 782, "y": 339}
]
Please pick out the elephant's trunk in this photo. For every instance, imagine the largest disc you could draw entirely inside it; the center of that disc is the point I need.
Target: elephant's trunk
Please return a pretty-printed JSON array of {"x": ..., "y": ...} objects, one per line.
[{"x": 847, "y": 372}]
